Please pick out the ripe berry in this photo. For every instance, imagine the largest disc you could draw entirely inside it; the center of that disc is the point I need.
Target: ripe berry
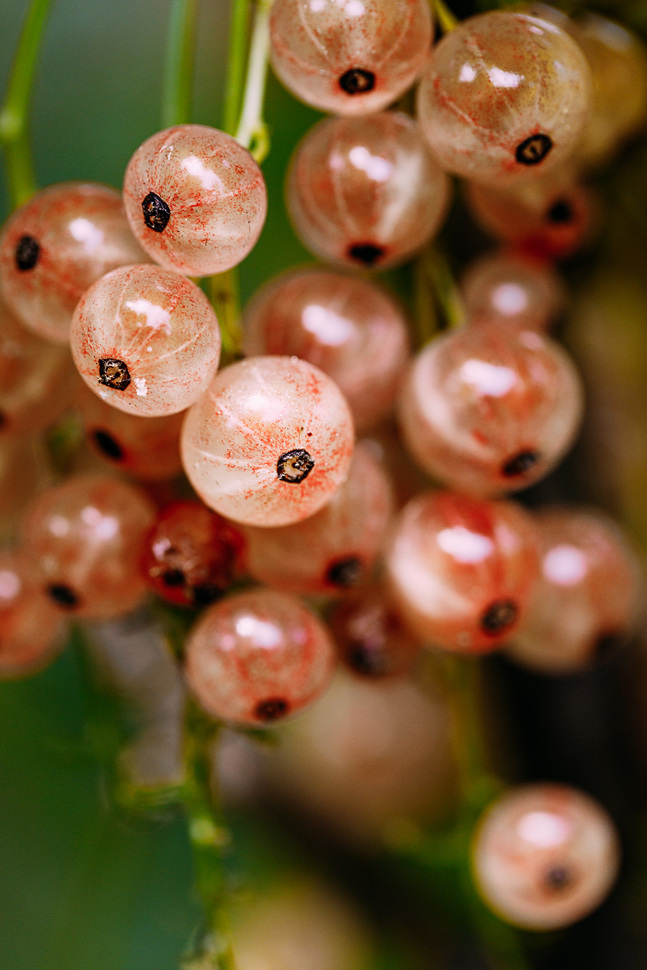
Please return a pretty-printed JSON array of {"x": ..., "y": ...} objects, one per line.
[
  {"x": 192, "y": 555},
  {"x": 55, "y": 246},
  {"x": 146, "y": 340},
  {"x": 335, "y": 549},
  {"x": 490, "y": 409},
  {"x": 349, "y": 58},
  {"x": 587, "y": 597},
  {"x": 491, "y": 103},
  {"x": 85, "y": 538},
  {"x": 270, "y": 441},
  {"x": 257, "y": 657},
  {"x": 544, "y": 856},
  {"x": 31, "y": 629},
  {"x": 461, "y": 569},
  {"x": 195, "y": 199},
  {"x": 365, "y": 191},
  {"x": 348, "y": 327}
]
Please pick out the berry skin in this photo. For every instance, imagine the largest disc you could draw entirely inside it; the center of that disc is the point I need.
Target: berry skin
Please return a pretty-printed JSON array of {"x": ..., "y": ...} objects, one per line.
[
  {"x": 85, "y": 538},
  {"x": 258, "y": 657},
  {"x": 270, "y": 441},
  {"x": 334, "y": 550},
  {"x": 586, "y": 600},
  {"x": 348, "y": 327},
  {"x": 544, "y": 856},
  {"x": 461, "y": 569},
  {"x": 192, "y": 555},
  {"x": 195, "y": 199},
  {"x": 490, "y": 409},
  {"x": 146, "y": 340},
  {"x": 491, "y": 103},
  {"x": 350, "y": 58},
  {"x": 31, "y": 629},
  {"x": 52, "y": 249},
  {"x": 365, "y": 192}
]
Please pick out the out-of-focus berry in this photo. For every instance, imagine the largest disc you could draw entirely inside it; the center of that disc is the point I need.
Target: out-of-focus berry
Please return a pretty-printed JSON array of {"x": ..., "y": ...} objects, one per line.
[{"x": 31, "y": 629}]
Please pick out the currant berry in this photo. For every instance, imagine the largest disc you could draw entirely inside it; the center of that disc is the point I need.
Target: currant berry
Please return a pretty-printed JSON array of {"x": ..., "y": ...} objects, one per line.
[
  {"x": 544, "y": 856},
  {"x": 270, "y": 441},
  {"x": 334, "y": 550},
  {"x": 490, "y": 409},
  {"x": 461, "y": 569},
  {"x": 586, "y": 600},
  {"x": 55, "y": 246},
  {"x": 347, "y": 326},
  {"x": 31, "y": 629},
  {"x": 35, "y": 378},
  {"x": 146, "y": 340},
  {"x": 349, "y": 58},
  {"x": 85, "y": 538},
  {"x": 551, "y": 218},
  {"x": 371, "y": 639},
  {"x": 514, "y": 288},
  {"x": 146, "y": 448},
  {"x": 492, "y": 104},
  {"x": 365, "y": 191},
  {"x": 258, "y": 657},
  {"x": 192, "y": 555},
  {"x": 195, "y": 199}
]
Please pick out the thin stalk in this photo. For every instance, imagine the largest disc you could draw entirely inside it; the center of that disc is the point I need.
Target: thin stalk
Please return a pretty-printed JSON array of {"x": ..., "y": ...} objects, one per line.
[
  {"x": 236, "y": 64},
  {"x": 15, "y": 108},
  {"x": 225, "y": 299},
  {"x": 252, "y": 131},
  {"x": 426, "y": 317},
  {"x": 444, "y": 287},
  {"x": 444, "y": 16},
  {"x": 180, "y": 56}
]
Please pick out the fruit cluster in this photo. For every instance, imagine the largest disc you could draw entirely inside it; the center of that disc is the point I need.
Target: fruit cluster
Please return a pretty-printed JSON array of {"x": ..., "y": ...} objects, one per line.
[{"x": 250, "y": 489}]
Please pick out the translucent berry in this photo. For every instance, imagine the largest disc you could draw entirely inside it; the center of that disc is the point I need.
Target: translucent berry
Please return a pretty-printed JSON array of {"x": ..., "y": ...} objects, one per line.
[
  {"x": 461, "y": 569},
  {"x": 544, "y": 856},
  {"x": 258, "y": 657},
  {"x": 31, "y": 629},
  {"x": 270, "y": 441},
  {"x": 146, "y": 448},
  {"x": 551, "y": 218},
  {"x": 349, "y": 58},
  {"x": 192, "y": 555},
  {"x": 348, "y": 327},
  {"x": 504, "y": 97},
  {"x": 490, "y": 409},
  {"x": 586, "y": 600},
  {"x": 25, "y": 469},
  {"x": 35, "y": 378},
  {"x": 85, "y": 538},
  {"x": 365, "y": 191},
  {"x": 334, "y": 550},
  {"x": 618, "y": 62},
  {"x": 195, "y": 199},
  {"x": 55, "y": 246},
  {"x": 146, "y": 340},
  {"x": 371, "y": 639},
  {"x": 515, "y": 288}
]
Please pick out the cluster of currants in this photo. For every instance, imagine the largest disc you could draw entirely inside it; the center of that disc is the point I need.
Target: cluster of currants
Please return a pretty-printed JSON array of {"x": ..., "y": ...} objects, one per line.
[{"x": 520, "y": 106}]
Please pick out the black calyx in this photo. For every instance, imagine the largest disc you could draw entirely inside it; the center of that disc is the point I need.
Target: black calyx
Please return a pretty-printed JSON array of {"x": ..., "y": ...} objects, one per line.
[
  {"x": 107, "y": 444},
  {"x": 344, "y": 572},
  {"x": 366, "y": 658},
  {"x": 63, "y": 595},
  {"x": 27, "y": 252},
  {"x": 520, "y": 464},
  {"x": 368, "y": 254},
  {"x": 294, "y": 466},
  {"x": 113, "y": 373},
  {"x": 206, "y": 593},
  {"x": 560, "y": 212},
  {"x": 357, "y": 81},
  {"x": 156, "y": 212},
  {"x": 271, "y": 709},
  {"x": 558, "y": 878},
  {"x": 499, "y": 616},
  {"x": 533, "y": 150},
  {"x": 174, "y": 577}
]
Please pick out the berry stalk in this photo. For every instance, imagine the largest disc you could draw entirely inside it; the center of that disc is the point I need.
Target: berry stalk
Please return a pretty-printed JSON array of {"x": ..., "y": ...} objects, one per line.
[{"x": 178, "y": 80}]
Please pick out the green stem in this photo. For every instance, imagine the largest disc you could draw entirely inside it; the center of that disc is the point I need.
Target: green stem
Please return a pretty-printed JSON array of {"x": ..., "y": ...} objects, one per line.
[
  {"x": 225, "y": 299},
  {"x": 252, "y": 131},
  {"x": 236, "y": 64},
  {"x": 15, "y": 109},
  {"x": 178, "y": 79},
  {"x": 446, "y": 19},
  {"x": 426, "y": 317},
  {"x": 444, "y": 287}
]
